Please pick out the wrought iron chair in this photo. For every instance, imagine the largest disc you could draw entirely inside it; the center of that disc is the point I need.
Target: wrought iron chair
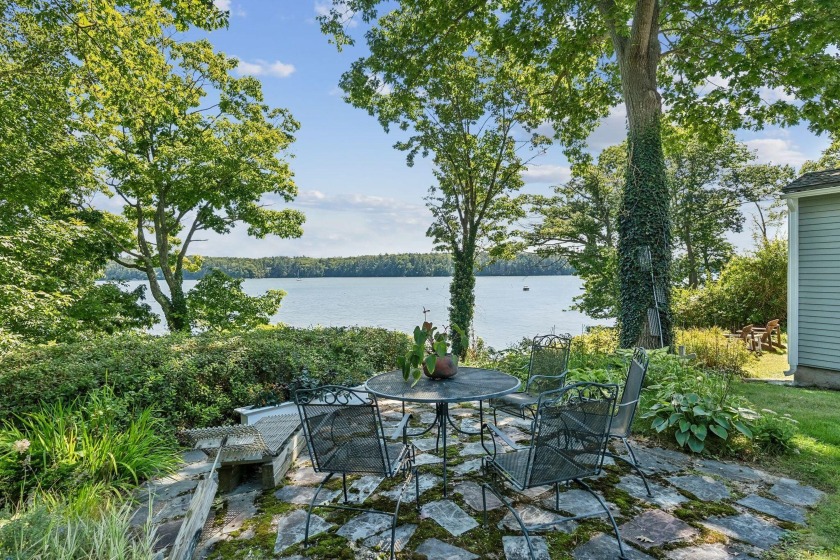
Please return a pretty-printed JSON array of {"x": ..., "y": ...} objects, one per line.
[
  {"x": 546, "y": 371},
  {"x": 344, "y": 433},
  {"x": 626, "y": 410},
  {"x": 570, "y": 433}
]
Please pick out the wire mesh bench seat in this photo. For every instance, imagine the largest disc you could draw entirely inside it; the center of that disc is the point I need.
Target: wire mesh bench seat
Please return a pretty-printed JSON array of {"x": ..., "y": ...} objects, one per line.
[{"x": 273, "y": 442}]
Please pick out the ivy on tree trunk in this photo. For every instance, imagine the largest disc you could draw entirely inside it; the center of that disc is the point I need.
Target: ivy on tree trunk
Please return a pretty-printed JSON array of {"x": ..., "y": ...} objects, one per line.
[{"x": 462, "y": 295}]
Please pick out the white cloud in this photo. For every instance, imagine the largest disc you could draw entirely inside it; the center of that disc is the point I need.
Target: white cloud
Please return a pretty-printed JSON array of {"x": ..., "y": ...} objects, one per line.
[
  {"x": 259, "y": 67},
  {"x": 223, "y": 5},
  {"x": 611, "y": 131},
  {"x": 356, "y": 202},
  {"x": 323, "y": 9},
  {"x": 553, "y": 174},
  {"x": 777, "y": 150}
]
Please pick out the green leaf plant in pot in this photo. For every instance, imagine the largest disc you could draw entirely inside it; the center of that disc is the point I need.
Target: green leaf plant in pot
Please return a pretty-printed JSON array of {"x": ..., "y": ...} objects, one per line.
[{"x": 430, "y": 353}]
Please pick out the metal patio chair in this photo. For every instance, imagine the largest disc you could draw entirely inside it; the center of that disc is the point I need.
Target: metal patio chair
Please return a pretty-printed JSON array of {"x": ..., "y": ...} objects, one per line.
[
  {"x": 344, "y": 433},
  {"x": 622, "y": 423},
  {"x": 546, "y": 371},
  {"x": 569, "y": 440}
]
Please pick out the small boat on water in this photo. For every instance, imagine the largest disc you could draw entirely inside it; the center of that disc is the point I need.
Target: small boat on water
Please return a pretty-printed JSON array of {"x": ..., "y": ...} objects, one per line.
[{"x": 526, "y": 289}]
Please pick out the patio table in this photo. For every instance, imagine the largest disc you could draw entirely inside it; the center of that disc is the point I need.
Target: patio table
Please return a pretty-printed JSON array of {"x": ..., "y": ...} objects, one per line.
[{"x": 470, "y": 384}]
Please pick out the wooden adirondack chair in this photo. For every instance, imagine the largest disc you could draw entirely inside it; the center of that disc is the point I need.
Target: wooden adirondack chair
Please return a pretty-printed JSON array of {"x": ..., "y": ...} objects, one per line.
[
  {"x": 764, "y": 335},
  {"x": 747, "y": 336}
]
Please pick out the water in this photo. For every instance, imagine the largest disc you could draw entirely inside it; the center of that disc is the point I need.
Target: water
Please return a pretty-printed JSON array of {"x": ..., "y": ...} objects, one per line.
[{"x": 504, "y": 313}]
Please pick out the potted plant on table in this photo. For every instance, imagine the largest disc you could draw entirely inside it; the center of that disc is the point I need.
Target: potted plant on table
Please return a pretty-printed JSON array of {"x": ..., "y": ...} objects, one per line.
[{"x": 430, "y": 353}]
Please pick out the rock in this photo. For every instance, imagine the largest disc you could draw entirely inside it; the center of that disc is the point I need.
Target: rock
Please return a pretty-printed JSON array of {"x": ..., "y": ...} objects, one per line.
[
  {"x": 475, "y": 448},
  {"x": 467, "y": 467},
  {"x": 652, "y": 463},
  {"x": 425, "y": 444},
  {"x": 365, "y": 525},
  {"x": 304, "y": 494},
  {"x": 307, "y": 477},
  {"x": 715, "y": 551},
  {"x": 427, "y": 459},
  {"x": 471, "y": 426},
  {"x": 433, "y": 549},
  {"x": 516, "y": 548},
  {"x": 604, "y": 546},
  {"x": 166, "y": 489},
  {"x": 734, "y": 471},
  {"x": 448, "y": 515},
  {"x": 166, "y": 533},
  {"x": 747, "y": 528},
  {"x": 532, "y": 515},
  {"x": 704, "y": 488},
  {"x": 291, "y": 528},
  {"x": 363, "y": 487},
  {"x": 382, "y": 541},
  {"x": 579, "y": 503},
  {"x": 471, "y": 492},
  {"x": 655, "y": 528},
  {"x": 426, "y": 481},
  {"x": 773, "y": 508},
  {"x": 194, "y": 456},
  {"x": 663, "y": 497},
  {"x": 796, "y": 494}
]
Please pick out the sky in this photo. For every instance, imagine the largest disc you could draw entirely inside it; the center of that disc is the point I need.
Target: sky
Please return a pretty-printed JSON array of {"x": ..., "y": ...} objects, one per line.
[{"x": 357, "y": 193}]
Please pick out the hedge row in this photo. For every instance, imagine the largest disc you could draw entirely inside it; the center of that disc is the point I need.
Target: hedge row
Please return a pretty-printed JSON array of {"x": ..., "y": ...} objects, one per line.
[{"x": 195, "y": 381}]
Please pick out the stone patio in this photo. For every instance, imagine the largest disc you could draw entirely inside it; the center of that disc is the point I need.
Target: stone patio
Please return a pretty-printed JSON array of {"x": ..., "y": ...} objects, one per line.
[{"x": 753, "y": 509}]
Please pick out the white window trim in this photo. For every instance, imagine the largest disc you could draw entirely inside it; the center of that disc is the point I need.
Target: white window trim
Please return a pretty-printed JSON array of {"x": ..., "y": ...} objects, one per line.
[{"x": 793, "y": 279}]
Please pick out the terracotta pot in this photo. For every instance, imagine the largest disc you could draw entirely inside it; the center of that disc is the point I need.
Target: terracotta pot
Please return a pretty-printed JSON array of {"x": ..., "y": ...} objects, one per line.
[{"x": 444, "y": 368}]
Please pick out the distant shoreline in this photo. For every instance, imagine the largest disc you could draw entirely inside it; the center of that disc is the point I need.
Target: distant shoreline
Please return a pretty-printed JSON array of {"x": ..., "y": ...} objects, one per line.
[{"x": 401, "y": 265}]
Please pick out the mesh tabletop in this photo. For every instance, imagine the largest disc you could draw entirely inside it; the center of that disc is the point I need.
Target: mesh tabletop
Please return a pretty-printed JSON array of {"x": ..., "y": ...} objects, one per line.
[{"x": 470, "y": 384}]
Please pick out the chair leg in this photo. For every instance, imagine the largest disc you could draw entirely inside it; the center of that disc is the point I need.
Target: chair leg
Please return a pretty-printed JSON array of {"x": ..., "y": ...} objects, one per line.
[
  {"x": 635, "y": 465},
  {"x": 344, "y": 486},
  {"x": 531, "y": 552},
  {"x": 309, "y": 511},
  {"x": 609, "y": 514}
]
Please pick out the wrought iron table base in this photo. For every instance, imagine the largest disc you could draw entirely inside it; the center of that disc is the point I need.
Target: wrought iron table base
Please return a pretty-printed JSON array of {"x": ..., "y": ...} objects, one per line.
[{"x": 442, "y": 418}]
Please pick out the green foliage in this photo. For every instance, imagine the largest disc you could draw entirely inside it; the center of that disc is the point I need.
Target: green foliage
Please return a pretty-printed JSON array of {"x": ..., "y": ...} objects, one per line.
[
  {"x": 429, "y": 345},
  {"x": 751, "y": 289},
  {"x": 644, "y": 221},
  {"x": 399, "y": 264},
  {"x": 194, "y": 380},
  {"x": 774, "y": 433},
  {"x": 91, "y": 443},
  {"x": 578, "y": 224},
  {"x": 48, "y": 268},
  {"x": 217, "y": 302},
  {"x": 36, "y": 532},
  {"x": 696, "y": 421},
  {"x": 713, "y": 350}
]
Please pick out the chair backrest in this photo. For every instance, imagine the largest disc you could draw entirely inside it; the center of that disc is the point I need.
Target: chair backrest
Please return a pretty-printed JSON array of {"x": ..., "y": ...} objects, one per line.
[
  {"x": 572, "y": 428},
  {"x": 549, "y": 354},
  {"x": 636, "y": 372},
  {"x": 343, "y": 430},
  {"x": 746, "y": 331}
]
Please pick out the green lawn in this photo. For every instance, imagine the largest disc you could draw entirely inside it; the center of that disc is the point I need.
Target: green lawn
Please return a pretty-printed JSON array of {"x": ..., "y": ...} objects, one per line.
[
  {"x": 769, "y": 365},
  {"x": 818, "y": 463}
]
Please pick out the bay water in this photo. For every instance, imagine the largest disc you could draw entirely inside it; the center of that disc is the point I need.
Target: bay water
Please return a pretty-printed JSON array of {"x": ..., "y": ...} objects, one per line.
[{"x": 504, "y": 311}]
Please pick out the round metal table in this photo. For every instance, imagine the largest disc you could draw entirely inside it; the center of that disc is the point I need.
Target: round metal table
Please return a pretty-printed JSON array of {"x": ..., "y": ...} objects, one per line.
[{"x": 470, "y": 384}]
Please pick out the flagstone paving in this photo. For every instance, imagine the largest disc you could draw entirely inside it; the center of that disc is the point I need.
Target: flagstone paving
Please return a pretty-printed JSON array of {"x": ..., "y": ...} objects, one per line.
[{"x": 452, "y": 528}]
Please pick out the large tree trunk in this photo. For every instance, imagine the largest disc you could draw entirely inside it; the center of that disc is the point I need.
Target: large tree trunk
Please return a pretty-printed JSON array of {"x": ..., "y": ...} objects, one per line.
[
  {"x": 462, "y": 294},
  {"x": 644, "y": 218},
  {"x": 178, "y": 318}
]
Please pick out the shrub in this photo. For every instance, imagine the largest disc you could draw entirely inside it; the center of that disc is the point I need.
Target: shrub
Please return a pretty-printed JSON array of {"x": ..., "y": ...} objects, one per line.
[
  {"x": 773, "y": 434},
  {"x": 714, "y": 350},
  {"x": 87, "y": 449},
  {"x": 751, "y": 289},
  {"x": 194, "y": 380}
]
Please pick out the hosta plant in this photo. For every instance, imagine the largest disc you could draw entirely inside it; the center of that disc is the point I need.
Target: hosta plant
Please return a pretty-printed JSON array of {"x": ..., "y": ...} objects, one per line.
[{"x": 697, "y": 421}]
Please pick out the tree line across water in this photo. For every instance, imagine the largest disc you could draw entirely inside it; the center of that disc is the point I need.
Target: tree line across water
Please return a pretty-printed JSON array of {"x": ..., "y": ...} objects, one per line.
[{"x": 399, "y": 265}]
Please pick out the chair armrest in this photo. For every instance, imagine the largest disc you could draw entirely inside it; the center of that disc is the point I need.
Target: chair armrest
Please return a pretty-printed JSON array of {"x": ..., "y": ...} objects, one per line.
[
  {"x": 398, "y": 431},
  {"x": 502, "y": 436}
]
